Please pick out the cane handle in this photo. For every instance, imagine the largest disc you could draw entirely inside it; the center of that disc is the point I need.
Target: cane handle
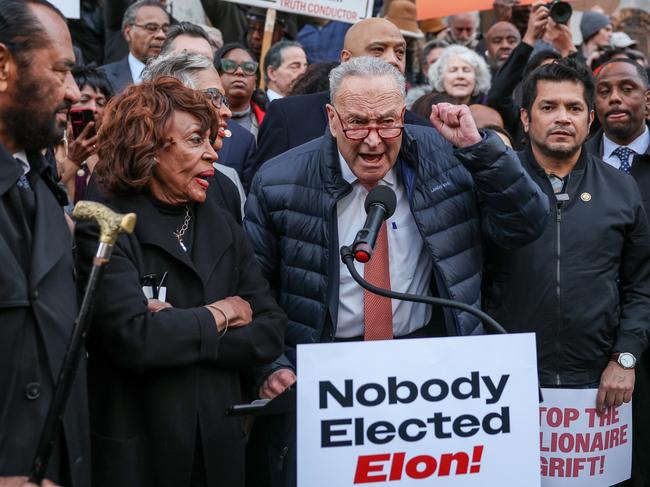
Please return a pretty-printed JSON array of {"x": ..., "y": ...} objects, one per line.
[{"x": 111, "y": 224}]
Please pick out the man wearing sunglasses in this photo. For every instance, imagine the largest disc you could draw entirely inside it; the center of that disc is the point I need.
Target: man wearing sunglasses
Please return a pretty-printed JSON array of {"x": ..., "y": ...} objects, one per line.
[
  {"x": 144, "y": 27},
  {"x": 454, "y": 186}
]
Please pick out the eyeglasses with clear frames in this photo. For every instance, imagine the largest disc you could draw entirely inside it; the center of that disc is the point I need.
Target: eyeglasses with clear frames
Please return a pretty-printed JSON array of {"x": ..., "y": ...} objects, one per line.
[
  {"x": 153, "y": 27},
  {"x": 363, "y": 132},
  {"x": 216, "y": 97}
]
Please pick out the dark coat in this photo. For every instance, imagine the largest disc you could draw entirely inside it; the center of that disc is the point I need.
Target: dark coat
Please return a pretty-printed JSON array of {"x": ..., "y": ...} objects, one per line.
[
  {"x": 119, "y": 74},
  {"x": 238, "y": 152},
  {"x": 291, "y": 222},
  {"x": 38, "y": 305},
  {"x": 640, "y": 171},
  {"x": 158, "y": 378},
  {"x": 583, "y": 287},
  {"x": 294, "y": 120}
]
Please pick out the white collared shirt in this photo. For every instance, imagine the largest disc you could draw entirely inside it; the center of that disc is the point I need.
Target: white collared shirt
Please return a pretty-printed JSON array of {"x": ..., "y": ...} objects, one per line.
[
  {"x": 272, "y": 95},
  {"x": 22, "y": 158},
  {"x": 410, "y": 263},
  {"x": 136, "y": 66},
  {"x": 639, "y": 145}
]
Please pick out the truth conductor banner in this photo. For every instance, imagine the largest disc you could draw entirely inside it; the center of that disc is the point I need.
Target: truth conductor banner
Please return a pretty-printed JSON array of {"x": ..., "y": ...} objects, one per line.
[
  {"x": 578, "y": 447},
  {"x": 441, "y": 411},
  {"x": 69, "y": 8},
  {"x": 350, "y": 11}
]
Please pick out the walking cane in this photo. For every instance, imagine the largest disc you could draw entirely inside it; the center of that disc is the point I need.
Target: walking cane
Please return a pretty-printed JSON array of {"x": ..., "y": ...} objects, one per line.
[{"x": 111, "y": 224}]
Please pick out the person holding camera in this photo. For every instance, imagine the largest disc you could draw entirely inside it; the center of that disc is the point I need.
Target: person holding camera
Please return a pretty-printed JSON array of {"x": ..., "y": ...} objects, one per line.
[{"x": 77, "y": 156}]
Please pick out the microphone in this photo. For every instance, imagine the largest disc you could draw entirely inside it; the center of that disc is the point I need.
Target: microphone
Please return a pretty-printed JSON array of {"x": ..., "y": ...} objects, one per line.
[{"x": 380, "y": 205}]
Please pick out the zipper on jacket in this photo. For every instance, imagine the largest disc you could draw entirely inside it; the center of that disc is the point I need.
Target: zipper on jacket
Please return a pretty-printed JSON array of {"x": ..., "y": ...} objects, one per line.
[{"x": 558, "y": 277}]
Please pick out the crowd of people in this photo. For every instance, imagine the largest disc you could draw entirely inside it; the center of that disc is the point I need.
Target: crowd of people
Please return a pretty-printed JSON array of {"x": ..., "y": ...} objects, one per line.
[{"x": 517, "y": 158}]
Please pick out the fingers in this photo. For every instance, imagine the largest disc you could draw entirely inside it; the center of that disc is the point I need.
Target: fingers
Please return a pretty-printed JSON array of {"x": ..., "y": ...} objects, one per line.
[
  {"x": 155, "y": 305},
  {"x": 600, "y": 400},
  {"x": 277, "y": 383}
]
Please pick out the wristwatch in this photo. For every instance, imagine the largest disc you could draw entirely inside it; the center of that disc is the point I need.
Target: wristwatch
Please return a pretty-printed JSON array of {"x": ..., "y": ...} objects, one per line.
[{"x": 624, "y": 359}]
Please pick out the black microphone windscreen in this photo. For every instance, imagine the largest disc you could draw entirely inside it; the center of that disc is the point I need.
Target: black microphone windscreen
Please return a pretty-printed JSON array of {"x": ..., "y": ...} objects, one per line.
[{"x": 384, "y": 196}]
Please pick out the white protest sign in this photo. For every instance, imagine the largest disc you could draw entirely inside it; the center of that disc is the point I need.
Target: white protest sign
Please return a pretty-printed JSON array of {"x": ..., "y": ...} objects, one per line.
[
  {"x": 69, "y": 8},
  {"x": 350, "y": 11},
  {"x": 580, "y": 448},
  {"x": 459, "y": 411}
]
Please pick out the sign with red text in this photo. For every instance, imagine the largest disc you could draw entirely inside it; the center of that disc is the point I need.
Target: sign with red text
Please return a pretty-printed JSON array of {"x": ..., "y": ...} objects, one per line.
[
  {"x": 349, "y": 11},
  {"x": 458, "y": 411},
  {"x": 578, "y": 447}
]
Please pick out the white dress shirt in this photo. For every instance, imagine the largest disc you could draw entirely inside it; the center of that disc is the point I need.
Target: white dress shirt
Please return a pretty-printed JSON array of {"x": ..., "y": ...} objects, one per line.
[
  {"x": 22, "y": 158},
  {"x": 136, "y": 66},
  {"x": 410, "y": 263},
  {"x": 639, "y": 145},
  {"x": 272, "y": 95}
]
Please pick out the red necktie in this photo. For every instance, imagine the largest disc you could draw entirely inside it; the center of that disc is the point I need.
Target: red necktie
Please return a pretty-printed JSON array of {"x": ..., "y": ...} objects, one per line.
[{"x": 377, "y": 310}]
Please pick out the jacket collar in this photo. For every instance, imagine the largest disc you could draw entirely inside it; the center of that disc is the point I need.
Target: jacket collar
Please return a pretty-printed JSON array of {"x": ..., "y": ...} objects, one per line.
[
  {"x": 595, "y": 144},
  {"x": 206, "y": 249},
  {"x": 10, "y": 170},
  {"x": 529, "y": 157}
]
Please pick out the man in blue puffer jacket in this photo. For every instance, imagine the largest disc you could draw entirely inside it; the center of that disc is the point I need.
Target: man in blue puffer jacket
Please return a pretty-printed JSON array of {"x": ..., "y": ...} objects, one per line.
[{"x": 306, "y": 203}]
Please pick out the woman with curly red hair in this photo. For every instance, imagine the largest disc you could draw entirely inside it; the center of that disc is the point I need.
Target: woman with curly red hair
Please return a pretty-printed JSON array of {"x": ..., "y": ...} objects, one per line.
[{"x": 183, "y": 309}]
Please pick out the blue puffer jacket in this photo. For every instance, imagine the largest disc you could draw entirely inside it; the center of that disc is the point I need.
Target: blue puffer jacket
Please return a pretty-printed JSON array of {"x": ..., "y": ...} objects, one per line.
[{"x": 457, "y": 197}]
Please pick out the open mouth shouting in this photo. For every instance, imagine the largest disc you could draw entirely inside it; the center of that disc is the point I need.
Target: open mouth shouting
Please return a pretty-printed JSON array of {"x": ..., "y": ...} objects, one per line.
[{"x": 202, "y": 178}]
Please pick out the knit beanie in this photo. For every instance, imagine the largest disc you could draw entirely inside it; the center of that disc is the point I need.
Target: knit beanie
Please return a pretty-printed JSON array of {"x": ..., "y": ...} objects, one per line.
[{"x": 591, "y": 23}]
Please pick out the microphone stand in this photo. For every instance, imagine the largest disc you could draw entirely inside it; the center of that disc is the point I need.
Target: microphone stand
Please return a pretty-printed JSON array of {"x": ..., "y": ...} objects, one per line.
[{"x": 348, "y": 259}]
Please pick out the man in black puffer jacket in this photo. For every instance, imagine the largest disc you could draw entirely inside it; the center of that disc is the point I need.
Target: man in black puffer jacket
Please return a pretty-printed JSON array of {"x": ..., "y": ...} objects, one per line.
[
  {"x": 307, "y": 202},
  {"x": 455, "y": 198}
]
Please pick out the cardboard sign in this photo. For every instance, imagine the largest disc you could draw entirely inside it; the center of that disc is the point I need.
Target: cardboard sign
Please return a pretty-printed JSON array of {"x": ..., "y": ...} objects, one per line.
[
  {"x": 69, "y": 8},
  {"x": 580, "y": 448},
  {"x": 459, "y": 411},
  {"x": 350, "y": 11},
  {"x": 429, "y": 9}
]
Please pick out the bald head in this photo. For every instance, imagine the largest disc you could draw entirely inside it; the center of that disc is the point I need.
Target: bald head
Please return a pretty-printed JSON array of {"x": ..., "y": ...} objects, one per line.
[
  {"x": 484, "y": 116},
  {"x": 501, "y": 39},
  {"x": 375, "y": 37}
]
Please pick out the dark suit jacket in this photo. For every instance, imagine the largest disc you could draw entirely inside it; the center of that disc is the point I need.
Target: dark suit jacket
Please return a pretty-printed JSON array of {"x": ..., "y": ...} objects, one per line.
[
  {"x": 238, "y": 152},
  {"x": 155, "y": 379},
  {"x": 38, "y": 305},
  {"x": 294, "y": 120},
  {"x": 119, "y": 74},
  {"x": 640, "y": 171}
]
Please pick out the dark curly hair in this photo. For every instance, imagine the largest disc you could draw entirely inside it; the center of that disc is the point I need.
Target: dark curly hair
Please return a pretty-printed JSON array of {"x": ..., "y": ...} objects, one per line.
[{"x": 135, "y": 127}]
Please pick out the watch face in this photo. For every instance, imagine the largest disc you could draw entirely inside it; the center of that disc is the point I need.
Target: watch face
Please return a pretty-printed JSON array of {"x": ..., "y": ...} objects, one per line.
[{"x": 626, "y": 360}]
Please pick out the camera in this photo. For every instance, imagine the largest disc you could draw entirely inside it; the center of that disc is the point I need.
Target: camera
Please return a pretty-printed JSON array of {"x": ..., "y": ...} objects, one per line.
[{"x": 560, "y": 11}]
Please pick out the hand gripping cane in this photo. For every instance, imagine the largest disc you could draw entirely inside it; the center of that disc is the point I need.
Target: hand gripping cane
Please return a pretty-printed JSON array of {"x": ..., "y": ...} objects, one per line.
[{"x": 111, "y": 224}]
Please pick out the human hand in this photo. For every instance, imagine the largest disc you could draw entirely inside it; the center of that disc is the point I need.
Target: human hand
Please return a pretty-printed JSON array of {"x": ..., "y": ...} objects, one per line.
[
  {"x": 455, "y": 123},
  {"x": 155, "y": 305},
  {"x": 536, "y": 23},
  {"x": 276, "y": 383},
  {"x": 82, "y": 147},
  {"x": 237, "y": 310},
  {"x": 503, "y": 9},
  {"x": 616, "y": 387},
  {"x": 561, "y": 38}
]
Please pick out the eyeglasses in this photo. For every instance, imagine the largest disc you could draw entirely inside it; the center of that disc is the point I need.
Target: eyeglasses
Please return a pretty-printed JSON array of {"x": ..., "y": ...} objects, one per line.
[
  {"x": 153, "y": 27},
  {"x": 229, "y": 66},
  {"x": 363, "y": 132},
  {"x": 217, "y": 98}
]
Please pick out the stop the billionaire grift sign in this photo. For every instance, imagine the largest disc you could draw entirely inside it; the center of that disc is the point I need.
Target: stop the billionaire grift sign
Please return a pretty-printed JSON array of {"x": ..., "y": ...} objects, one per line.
[{"x": 461, "y": 411}]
